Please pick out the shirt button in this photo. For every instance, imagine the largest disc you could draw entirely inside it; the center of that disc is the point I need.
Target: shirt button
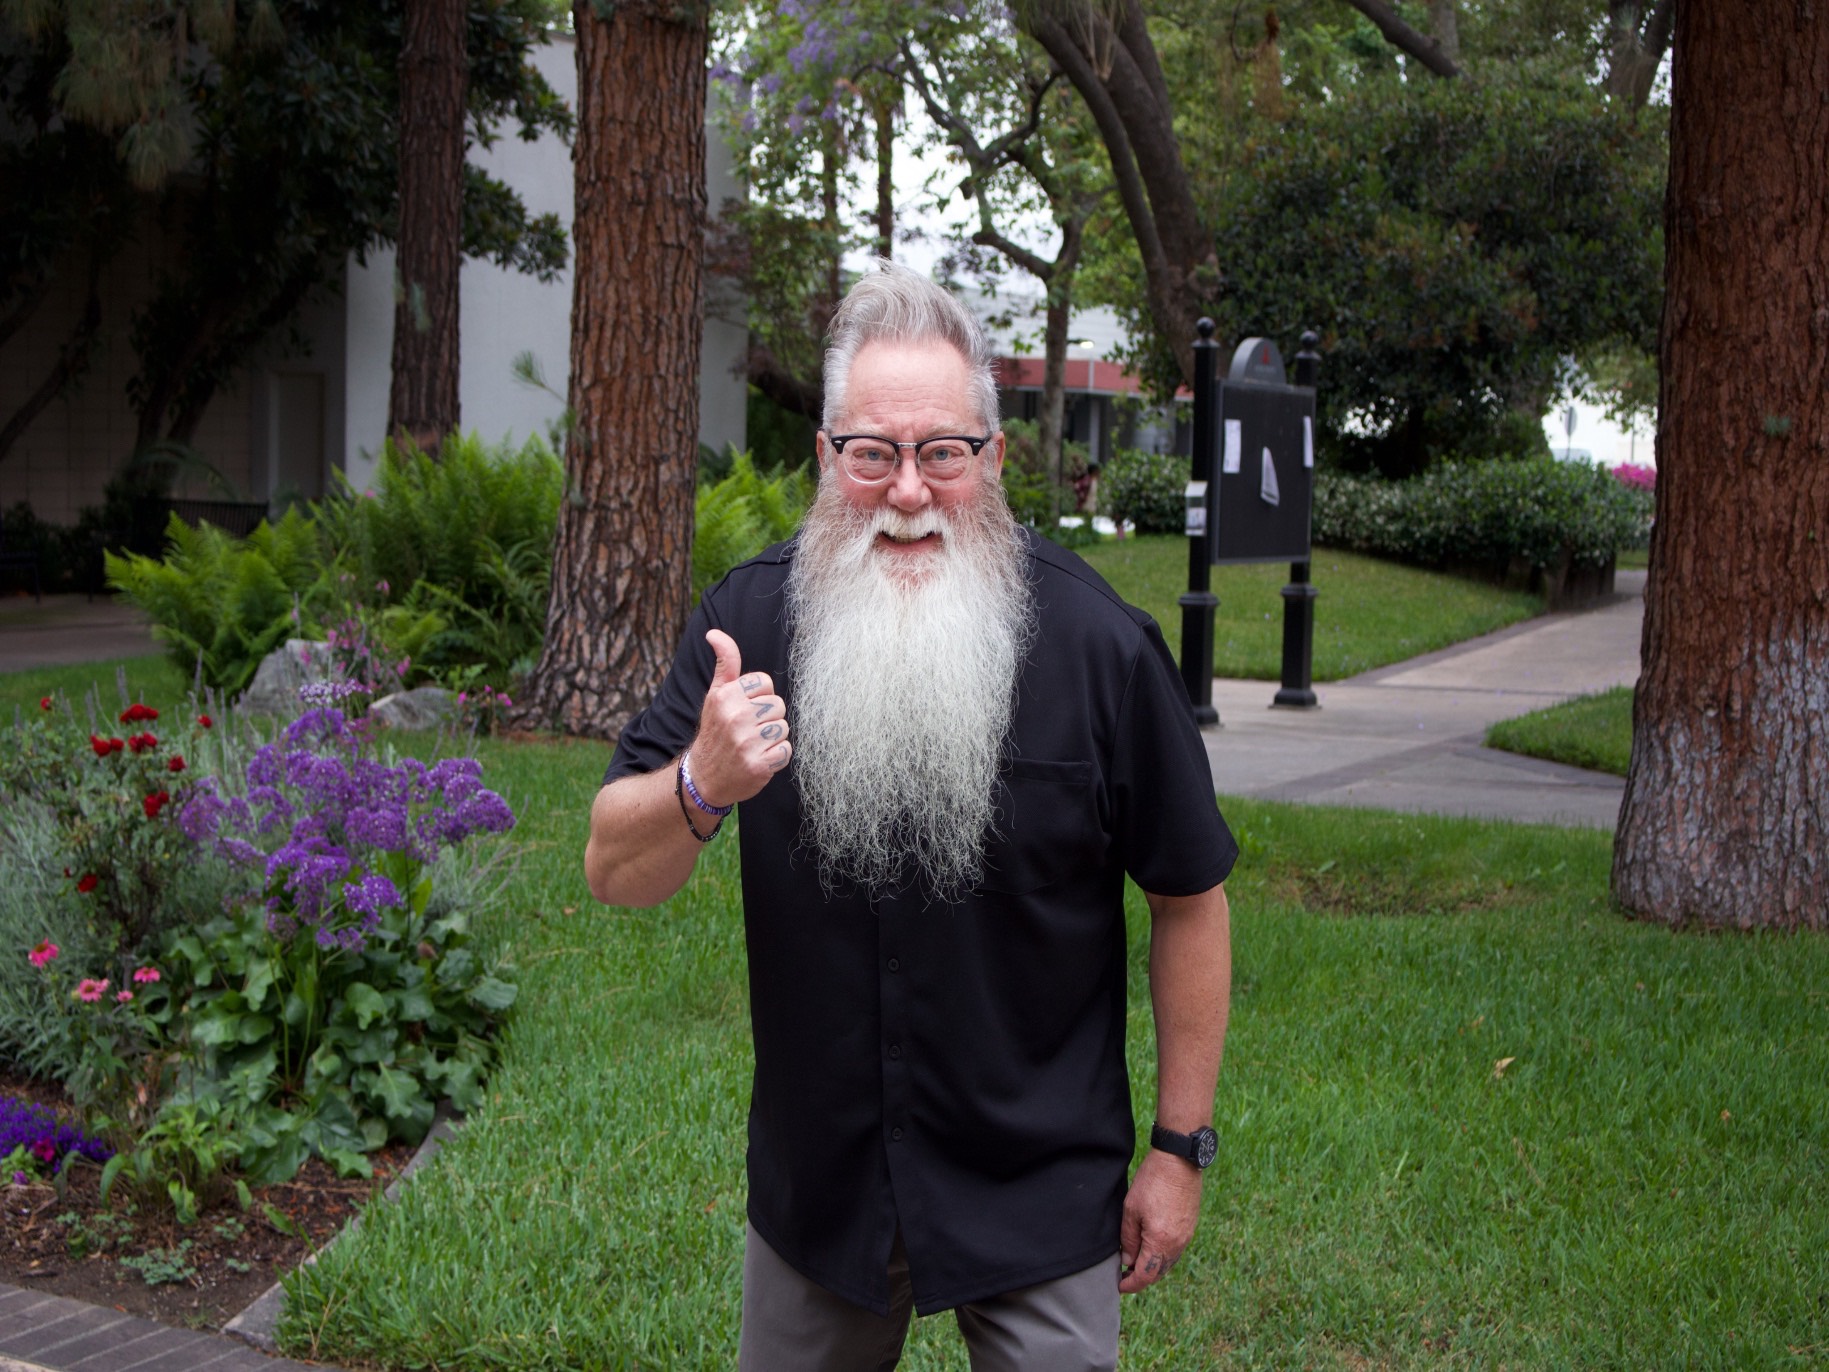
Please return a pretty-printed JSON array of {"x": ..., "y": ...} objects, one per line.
[
  {"x": 895, "y": 964},
  {"x": 895, "y": 1050},
  {"x": 896, "y": 1134}
]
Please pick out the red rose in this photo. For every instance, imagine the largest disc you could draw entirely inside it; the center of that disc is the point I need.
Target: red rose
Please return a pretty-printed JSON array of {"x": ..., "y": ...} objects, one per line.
[
  {"x": 115, "y": 745},
  {"x": 44, "y": 702},
  {"x": 154, "y": 803},
  {"x": 204, "y": 720},
  {"x": 137, "y": 712},
  {"x": 100, "y": 745},
  {"x": 175, "y": 763},
  {"x": 87, "y": 883},
  {"x": 141, "y": 743}
]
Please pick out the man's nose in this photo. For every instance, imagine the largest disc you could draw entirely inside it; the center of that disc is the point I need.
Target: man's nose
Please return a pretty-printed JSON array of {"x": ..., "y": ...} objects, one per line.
[{"x": 908, "y": 488}]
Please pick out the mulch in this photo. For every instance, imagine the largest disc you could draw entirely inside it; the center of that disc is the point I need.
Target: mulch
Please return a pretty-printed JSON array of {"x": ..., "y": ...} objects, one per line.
[{"x": 69, "y": 1243}]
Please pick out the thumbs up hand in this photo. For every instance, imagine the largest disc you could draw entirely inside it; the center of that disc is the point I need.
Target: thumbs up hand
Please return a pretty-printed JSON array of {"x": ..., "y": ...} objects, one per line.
[{"x": 743, "y": 729}]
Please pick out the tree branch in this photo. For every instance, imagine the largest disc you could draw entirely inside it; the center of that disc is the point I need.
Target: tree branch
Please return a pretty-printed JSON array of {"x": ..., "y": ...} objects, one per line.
[{"x": 1404, "y": 38}]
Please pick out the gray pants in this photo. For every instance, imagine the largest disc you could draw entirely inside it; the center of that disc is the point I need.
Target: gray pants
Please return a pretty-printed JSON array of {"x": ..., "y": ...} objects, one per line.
[{"x": 793, "y": 1325}]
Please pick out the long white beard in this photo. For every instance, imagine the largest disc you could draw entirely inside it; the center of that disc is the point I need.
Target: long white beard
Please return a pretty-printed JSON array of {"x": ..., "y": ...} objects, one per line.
[{"x": 904, "y": 688}]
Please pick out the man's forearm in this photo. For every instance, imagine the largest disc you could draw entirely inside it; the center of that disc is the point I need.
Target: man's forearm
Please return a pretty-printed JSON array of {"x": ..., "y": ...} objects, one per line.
[
  {"x": 640, "y": 852},
  {"x": 1190, "y": 973}
]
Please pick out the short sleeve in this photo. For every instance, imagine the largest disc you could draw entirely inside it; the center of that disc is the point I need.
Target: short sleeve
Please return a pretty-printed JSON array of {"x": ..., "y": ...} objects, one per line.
[
  {"x": 663, "y": 731},
  {"x": 1172, "y": 837}
]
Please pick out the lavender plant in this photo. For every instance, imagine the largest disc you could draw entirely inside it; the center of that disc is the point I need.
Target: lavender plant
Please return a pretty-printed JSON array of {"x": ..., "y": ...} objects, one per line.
[{"x": 336, "y": 1003}]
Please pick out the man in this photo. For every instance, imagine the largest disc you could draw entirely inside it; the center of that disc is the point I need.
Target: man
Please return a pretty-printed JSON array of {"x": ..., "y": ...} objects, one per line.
[{"x": 951, "y": 741}]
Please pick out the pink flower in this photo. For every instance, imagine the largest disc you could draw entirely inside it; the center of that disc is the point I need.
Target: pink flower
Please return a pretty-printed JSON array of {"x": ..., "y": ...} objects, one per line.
[
  {"x": 44, "y": 1150},
  {"x": 43, "y": 953},
  {"x": 146, "y": 974},
  {"x": 90, "y": 989},
  {"x": 123, "y": 995}
]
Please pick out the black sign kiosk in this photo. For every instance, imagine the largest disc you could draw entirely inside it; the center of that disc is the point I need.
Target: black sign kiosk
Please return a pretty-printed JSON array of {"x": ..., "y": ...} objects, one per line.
[{"x": 1249, "y": 501}]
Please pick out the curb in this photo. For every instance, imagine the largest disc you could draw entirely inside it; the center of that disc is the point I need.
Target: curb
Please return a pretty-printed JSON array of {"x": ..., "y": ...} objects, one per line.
[{"x": 256, "y": 1325}]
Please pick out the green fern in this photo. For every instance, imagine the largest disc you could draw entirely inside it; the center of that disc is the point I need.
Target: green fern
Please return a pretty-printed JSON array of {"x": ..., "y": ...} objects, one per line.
[
  {"x": 220, "y": 604},
  {"x": 741, "y": 515}
]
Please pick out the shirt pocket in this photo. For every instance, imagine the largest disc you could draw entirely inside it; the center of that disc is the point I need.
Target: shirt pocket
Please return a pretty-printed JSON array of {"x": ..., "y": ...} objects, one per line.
[{"x": 1048, "y": 826}]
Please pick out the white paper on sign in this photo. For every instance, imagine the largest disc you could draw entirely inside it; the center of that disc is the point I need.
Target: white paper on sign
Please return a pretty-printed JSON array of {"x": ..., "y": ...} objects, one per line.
[
  {"x": 1267, "y": 488},
  {"x": 1235, "y": 445},
  {"x": 1308, "y": 440}
]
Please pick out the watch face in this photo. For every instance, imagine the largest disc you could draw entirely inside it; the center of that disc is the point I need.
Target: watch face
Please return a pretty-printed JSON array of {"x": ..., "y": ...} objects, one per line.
[{"x": 1206, "y": 1148}]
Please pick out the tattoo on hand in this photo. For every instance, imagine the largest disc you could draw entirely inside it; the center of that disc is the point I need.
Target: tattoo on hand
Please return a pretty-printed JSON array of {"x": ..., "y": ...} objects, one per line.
[
  {"x": 771, "y": 732},
  {"x": 763, "y": 709},
  {"x": 751, "y": 684}
]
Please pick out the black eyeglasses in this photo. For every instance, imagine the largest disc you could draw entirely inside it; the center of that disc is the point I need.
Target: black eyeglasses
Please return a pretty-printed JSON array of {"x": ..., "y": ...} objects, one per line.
[{"x": 871, "y": 459}]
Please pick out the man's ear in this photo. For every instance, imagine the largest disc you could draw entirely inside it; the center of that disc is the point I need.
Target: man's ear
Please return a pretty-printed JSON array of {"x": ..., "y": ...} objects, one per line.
[
  {"x": 997, "y": 461},
  {"x": 821, "y": 450}
]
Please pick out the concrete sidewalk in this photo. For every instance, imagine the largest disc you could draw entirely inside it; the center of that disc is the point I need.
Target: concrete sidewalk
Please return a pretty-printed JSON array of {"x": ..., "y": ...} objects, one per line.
[
  {"x": 67, "y": 629},
  {"x": 1408, "y": 736}
]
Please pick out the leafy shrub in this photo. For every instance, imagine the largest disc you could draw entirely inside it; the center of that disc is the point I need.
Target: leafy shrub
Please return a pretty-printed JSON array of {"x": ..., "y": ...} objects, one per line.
[
  {"x": 33, "y": 1140},
  {"x": 1485, "y": 514},
  {"x": 466, "y": 537},
  {"x": 1034, "y": 499},
  {"x": 741, "y": 515},
  {"x": 1147, "y": 489},
  {"x": 339, "y": 1002},
  {"x": 219, "y": 603}
]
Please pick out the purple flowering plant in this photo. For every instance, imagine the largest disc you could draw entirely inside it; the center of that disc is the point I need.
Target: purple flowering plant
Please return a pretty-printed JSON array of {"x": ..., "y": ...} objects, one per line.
[
  {"x": 336, "y": 1003},
  {"x": 34, "y": 1143}
]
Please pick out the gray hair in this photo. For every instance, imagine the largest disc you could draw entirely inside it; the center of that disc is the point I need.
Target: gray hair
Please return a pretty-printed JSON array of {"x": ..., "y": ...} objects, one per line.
[{"x": 894, "y": 304}]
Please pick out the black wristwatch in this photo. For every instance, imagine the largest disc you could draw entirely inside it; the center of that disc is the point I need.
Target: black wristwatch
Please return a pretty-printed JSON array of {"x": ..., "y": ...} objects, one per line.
[{"x": 1199, "y": 1147}]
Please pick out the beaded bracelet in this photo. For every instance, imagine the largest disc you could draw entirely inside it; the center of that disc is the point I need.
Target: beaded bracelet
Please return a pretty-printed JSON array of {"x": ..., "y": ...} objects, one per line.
[
  {"x": 679, "y": 776},
  {"x": 686, "y": 777}
]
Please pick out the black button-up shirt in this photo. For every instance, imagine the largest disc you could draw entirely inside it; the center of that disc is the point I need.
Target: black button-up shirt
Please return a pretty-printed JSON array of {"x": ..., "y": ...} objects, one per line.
[{"x": 957, "y": 1069}]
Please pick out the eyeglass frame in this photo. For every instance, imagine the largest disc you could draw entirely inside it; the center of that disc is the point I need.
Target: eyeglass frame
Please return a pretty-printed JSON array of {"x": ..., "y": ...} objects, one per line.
[{"x": 838, "y": 442}]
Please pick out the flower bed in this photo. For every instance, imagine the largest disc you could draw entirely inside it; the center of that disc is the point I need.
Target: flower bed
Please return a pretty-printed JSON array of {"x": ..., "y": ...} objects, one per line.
[{"x": 240, "y": 960}]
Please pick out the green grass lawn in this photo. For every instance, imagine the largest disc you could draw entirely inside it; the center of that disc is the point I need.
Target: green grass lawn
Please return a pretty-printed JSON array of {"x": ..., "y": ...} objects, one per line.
[
  {"x": 152, "y": 678},
  {"x": 1590, "y": 731},
  {"x": 1369, "y": 613},
  {"x": 1470, "y": 1116}
]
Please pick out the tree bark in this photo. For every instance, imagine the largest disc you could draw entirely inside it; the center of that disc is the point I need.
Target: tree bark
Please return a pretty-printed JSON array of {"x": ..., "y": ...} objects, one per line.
[
  {"x": 1727, "y": 797},
  {"x": 1445, "y": 27},
  {"x": 622, "y": 558},
  {"x": 1115, "y": 69},
  {"x": 423, "y": 403},
  {"x": 884, "y": 112},
  {"x": 1641, "y": 36}
]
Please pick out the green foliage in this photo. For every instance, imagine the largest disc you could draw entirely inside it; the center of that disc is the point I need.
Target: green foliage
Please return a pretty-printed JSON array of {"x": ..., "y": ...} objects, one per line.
[
  {"x": 452, "y": 553},
  {"x": 1482, "y": 514},
  {"x": 1147, "y": 489},
  {"x": 220, "y": 604},
  {"x": 741, "y": 515},
  {"x": 333, "y": 1052},
  {"x": 285, "y": 114},
  {"x": 1033, "y": 497},
  {"x": 1452, "y": 242},
  {"x": 181, "y": 1159}
]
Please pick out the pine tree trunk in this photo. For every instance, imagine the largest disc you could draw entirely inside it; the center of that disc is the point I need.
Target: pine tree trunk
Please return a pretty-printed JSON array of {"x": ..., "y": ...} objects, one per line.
[
  {"x": 423, "y": 402},
  {"x": 622, "y": 562},
  {"x": 1727, "y": 798}
]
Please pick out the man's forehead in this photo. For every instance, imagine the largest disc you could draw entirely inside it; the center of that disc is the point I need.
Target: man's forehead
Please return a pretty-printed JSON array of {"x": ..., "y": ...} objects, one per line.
[{"x": 927, "y": 382}]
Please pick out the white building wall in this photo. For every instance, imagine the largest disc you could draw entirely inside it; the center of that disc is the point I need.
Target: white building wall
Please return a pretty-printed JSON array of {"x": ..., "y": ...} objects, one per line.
[{"x": 505, "y": 313}]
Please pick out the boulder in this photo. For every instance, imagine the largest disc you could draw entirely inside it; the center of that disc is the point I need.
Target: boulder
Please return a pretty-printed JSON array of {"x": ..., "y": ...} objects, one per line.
[
  {"x": 274, "y": 690},
  {"x": 423, "y": 707}
]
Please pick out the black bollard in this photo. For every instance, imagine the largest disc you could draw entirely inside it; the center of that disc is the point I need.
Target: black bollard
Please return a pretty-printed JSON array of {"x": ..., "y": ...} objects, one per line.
[
  {"x": 1198, "y": 605},
  {"x": 1299, "y": 595}
]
